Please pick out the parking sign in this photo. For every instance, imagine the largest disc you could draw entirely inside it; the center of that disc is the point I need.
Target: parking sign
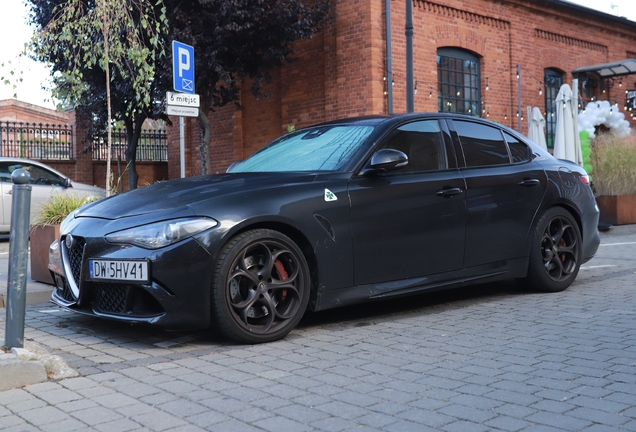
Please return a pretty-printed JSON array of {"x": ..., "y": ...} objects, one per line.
[{"x": 182, "y": 67}]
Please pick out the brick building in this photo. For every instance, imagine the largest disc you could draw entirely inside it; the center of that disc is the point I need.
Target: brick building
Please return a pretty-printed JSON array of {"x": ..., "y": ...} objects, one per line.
[
  {"x": 466, "y": 58},
  {"x": 12, "y": 110}
]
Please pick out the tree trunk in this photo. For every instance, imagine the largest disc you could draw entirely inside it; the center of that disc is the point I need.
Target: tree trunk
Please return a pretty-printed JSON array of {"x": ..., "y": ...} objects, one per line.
[
  {"x": 133, "y": 132},
  {"x": 105, "y": 27},
  {"x": 204, "y": 146}
]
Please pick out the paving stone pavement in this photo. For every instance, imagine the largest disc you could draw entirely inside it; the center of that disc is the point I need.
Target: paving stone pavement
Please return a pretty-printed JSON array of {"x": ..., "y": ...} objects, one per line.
[{"x": 486, "y": 358}]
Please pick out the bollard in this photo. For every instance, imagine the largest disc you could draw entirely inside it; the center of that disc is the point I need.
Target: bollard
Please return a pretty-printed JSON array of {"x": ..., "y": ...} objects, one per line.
[{"x": 18, "y": 258}]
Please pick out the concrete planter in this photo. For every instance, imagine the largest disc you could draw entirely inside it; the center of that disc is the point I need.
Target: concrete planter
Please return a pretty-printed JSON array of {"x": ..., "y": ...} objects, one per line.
[
  {"x": 617, "y": 209},
  {"x": 41, "y": 238}
]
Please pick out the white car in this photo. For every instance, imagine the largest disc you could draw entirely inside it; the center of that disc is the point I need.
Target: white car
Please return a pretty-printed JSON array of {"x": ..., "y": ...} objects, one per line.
[{"x": 44, "y": 182}]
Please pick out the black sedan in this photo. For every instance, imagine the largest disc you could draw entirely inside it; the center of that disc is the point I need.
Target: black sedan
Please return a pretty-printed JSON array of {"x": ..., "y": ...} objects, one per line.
[{"x": 339, "y": 213}]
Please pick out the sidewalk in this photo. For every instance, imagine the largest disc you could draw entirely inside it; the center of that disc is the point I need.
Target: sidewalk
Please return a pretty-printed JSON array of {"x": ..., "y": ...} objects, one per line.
[
  {"x": 100, "y": 347},
  {"x": 36, "y": 292}
]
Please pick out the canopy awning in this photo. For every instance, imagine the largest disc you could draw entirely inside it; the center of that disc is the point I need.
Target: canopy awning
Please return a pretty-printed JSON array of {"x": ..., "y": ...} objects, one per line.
[{"x": 609, "y": 70}]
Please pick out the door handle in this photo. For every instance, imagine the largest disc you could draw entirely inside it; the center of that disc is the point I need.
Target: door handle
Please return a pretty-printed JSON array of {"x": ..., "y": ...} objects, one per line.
[
  {"x": 529, "y": 182},
  {"x": 449, "y": 192}
]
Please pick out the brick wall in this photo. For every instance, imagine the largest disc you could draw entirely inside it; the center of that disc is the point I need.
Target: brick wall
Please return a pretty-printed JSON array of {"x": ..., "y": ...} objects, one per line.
[{"x": 340, "y": 71}]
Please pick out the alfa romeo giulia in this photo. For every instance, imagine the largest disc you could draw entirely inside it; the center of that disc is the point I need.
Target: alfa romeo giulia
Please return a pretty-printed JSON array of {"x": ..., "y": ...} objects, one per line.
[{"x": 349, "y": 211}]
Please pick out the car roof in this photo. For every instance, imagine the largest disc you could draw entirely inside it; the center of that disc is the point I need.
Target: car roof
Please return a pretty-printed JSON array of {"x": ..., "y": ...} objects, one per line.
[
  {"x": 373, "y": 120},
  {"x": 32, "y": 162}
]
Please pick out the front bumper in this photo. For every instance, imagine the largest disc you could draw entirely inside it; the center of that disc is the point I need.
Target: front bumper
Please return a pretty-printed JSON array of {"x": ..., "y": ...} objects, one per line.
[{"x": 177, "y": 295}]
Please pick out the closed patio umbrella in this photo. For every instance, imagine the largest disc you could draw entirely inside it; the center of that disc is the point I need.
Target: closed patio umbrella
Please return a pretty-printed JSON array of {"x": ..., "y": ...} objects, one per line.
[
  {"x": 536, "y": 127},
  {"x": 566, "y": 142}
]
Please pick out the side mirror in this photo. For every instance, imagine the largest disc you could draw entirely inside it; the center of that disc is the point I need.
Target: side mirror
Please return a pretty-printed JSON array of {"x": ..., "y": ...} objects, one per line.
[
  {"x": 67, "y": 183},
  {"x": 385, "y": 160}
]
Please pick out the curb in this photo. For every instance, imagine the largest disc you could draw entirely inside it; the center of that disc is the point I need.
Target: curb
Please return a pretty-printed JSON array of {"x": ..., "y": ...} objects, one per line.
[{"x": 31, "y": 365}]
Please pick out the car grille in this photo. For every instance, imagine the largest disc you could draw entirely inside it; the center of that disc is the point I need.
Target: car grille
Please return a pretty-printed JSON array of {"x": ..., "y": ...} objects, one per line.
[
  {"x": 75, "y": 257},
  {"x": 110, "y": 298}
]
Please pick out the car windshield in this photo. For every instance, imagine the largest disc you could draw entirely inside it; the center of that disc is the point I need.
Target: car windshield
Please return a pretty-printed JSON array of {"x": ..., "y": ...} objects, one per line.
[{"x": 323, "y": 148}]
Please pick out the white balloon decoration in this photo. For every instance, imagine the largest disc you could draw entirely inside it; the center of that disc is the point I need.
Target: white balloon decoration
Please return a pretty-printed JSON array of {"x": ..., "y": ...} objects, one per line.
[{"x": 602, "y": 113}]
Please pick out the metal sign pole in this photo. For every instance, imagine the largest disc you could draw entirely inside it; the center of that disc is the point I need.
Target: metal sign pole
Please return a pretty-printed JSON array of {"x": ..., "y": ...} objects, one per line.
[
  {"x": 182, "y": 145},
  {"x": 18, "y": 257}
]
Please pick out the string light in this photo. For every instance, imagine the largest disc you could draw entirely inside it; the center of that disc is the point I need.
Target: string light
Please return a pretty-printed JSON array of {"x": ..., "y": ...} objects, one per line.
[
  {"x": 487, "y": 86},
  {"x": 415, "y": 89}
]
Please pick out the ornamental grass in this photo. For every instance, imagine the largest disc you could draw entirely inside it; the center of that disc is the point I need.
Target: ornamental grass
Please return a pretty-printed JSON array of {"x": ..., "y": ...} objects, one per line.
[
  {"x": 614, "y": 162},
  {"x": 54, "y": 210}
]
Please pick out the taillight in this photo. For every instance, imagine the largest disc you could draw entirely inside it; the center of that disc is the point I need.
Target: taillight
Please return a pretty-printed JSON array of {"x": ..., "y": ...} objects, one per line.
[{"x": 585, "y": 179}]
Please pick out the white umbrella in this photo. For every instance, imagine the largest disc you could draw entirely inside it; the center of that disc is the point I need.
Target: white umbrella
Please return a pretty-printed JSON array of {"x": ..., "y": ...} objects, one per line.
[
  {"x": 566, "y": 142},
  {"x": 536, "y": 127}
]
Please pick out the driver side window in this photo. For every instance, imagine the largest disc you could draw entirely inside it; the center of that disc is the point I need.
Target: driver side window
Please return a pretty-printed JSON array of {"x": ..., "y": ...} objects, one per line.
[
  {"x": 423, "y": 144},
  {"x": 38, "y": 175}
]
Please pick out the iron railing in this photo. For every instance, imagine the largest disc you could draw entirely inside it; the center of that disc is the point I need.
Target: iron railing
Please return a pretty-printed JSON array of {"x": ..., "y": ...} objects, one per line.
[
  {"x": 35, "y": 140},
  {"x": 152, "y": 146},
  {"x": 55, "y": 142}
]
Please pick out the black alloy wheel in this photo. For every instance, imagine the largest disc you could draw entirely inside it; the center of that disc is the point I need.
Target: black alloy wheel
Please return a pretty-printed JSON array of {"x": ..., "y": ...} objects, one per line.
[
  {"x": 260, "y": 288},
  {"x": 555, "y": 257}
]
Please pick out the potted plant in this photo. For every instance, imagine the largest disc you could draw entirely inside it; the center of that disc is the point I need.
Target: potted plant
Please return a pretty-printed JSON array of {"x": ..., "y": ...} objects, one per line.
[
  {"x": 45, "y": 228},
  {"x": 614, "y": 177}
]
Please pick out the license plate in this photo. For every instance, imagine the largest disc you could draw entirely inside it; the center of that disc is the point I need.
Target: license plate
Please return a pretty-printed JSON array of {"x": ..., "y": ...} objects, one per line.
[{"x": 119, "y": 270}]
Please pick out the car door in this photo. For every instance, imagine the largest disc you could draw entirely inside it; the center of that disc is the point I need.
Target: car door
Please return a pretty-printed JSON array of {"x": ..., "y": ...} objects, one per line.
[
  {"x": 409, "y": 222},
  {"x": 504, "y": 189}
]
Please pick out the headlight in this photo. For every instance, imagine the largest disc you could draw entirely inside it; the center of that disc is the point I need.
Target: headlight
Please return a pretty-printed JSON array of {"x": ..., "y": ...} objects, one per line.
[{"x": 159, "y": 234}]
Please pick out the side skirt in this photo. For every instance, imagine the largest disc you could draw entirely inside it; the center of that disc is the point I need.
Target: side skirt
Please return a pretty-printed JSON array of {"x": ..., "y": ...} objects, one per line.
[{"x": 510, "y": 269}]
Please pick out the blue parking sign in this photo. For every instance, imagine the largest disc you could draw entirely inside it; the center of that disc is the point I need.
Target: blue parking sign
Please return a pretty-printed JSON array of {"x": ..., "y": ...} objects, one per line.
[{"x": 182, "y": 67}]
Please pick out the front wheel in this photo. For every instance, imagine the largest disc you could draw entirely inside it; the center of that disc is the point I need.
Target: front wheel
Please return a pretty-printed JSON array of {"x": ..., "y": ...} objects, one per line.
[
  {"x": 555, "y": 257},
  {"x": 260, "y": 287}
]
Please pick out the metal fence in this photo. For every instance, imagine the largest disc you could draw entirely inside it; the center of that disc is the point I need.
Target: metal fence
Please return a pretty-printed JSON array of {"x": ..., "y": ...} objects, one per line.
[
  {"x": 54, "y": 142},
  {"x": 152, "y": 146},
  {"x": 35, "y": 140}
]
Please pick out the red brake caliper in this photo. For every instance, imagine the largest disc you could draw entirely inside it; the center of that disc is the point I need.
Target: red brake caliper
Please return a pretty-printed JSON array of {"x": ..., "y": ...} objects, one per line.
[{"x": 283, "y": 276}]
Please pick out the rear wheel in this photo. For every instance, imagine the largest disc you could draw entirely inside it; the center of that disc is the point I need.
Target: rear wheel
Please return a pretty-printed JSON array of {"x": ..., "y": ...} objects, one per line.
[
  {"x": 555, "y": 257},
  {"x": 260, "y": 287}
]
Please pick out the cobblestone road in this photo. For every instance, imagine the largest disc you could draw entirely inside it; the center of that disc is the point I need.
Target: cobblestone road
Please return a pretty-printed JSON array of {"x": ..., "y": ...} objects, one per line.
[{"x": 476, "y": 359}]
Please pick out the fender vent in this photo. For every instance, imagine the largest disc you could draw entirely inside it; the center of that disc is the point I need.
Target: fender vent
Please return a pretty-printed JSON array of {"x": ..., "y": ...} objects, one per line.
[{"x": 326, "y": 225}]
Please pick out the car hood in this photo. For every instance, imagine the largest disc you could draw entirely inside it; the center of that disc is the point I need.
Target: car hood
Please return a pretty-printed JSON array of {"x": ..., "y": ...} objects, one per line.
[
  {"x": 178, "y": 193},
  {"x": 86, "y": 188}
]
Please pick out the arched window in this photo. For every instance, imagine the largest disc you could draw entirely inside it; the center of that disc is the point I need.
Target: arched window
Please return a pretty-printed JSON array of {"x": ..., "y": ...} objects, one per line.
[
  {"x": 458, "y": 81},
  {"x": 553, "y": 80}
]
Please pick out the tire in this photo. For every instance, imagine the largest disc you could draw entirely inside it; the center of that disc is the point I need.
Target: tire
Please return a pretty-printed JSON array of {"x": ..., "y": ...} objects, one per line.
[
  {"x": 260, "y": 287},
  {"x": 555, "y": 255}
]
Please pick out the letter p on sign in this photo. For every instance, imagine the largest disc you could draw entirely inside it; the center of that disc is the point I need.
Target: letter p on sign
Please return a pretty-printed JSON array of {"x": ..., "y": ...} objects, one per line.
[
  {"x": 182, "y": 67},
  {"x": 184, "y": 60}
]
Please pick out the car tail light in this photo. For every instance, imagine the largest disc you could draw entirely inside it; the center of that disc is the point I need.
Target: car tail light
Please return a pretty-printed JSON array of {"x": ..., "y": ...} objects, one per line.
[{"x": 585, "y": 179}]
